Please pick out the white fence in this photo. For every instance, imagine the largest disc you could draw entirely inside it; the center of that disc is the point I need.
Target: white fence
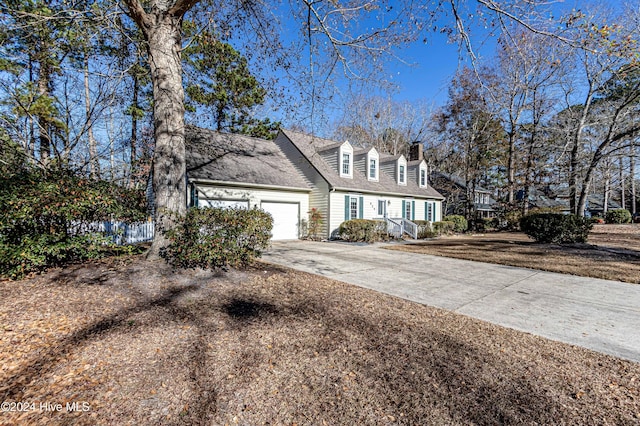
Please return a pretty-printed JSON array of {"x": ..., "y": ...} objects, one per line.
[{"x": 121, "y": 233}]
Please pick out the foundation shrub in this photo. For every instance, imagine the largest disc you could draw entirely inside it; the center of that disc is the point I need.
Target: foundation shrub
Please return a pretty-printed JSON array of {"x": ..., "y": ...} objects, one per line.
[
  {"x": 218, "y": 239},
  {"x": 363, "y": 230}
]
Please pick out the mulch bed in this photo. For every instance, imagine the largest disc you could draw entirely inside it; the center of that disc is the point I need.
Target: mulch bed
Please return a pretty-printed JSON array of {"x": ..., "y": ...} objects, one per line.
[{"x": 140, "y": 343}]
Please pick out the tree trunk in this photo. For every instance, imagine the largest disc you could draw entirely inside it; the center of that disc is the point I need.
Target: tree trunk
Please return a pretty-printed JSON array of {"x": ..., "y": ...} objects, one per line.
[
  {"x": 575, "y": 150},
  {"x": 632, "y": 166},
  {"x": 93, "y": 146},
  {"x": 133, "y": 143},
  {"x": 44, "y": 128},
  {"x": 511, "y": 172},
  {"x": 607, "y": 189},
  {"x": 623, "y": 200},
  {"x": 169, "y": 183}
]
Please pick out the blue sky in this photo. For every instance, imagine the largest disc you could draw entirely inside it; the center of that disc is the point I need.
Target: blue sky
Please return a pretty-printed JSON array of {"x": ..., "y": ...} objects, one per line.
[{"x": 436, "y": 61}]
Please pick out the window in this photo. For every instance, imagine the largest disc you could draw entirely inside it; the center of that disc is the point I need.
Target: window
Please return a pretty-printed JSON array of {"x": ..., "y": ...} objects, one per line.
[
  {"x": 346, "y": 163},
  {"x": 372, "y": 169},
  {"x": 382, "y": 208},
  {"x": 423, "y": 177},
  {"x": 429, "y": 211},
  {"x": 353, "y": 208},
  {"x": 401, "y": 174},
  {"x": 407, "y": 209}
]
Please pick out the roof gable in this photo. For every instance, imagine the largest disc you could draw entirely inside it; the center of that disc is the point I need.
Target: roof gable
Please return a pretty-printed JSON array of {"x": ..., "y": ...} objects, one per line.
[
  {"x": 311, "y": 147},
  {"x": 238, "y": 159}
]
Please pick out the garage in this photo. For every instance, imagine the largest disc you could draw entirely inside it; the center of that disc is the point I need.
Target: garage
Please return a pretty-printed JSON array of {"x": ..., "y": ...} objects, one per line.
[{"x": 285, "y": 219}]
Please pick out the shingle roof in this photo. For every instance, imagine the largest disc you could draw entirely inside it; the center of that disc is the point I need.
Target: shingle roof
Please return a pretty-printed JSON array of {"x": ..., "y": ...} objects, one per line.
[
  {"x": 240, "y": 159},
  {"x": 310, "y": 145},
  {"x": 458, "y": 180}
]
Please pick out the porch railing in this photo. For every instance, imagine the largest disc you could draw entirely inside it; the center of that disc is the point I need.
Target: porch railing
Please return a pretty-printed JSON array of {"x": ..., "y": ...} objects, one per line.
[{"x": 399, "y": 226}]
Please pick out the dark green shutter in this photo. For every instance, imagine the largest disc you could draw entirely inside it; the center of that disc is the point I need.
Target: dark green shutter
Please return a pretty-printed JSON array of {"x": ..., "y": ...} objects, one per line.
[
  {"x": 426, "y": 210},
  {"x": 404, "y": 209},
  {"x": 434, "y": 212},
  {"x": 361, "y": 208},
  {"x": 347, "y": 199},
  {"x": 413, "y": 210}
]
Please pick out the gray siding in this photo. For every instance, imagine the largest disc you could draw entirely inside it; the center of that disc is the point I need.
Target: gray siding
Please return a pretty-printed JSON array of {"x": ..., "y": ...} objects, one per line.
[
  {"x": 390, "y": 168},
  {"x": 331, "y": 158},
  {"x": 319, "y": 196}
]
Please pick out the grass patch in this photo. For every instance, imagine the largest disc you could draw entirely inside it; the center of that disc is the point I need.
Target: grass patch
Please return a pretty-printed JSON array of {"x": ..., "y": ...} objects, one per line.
[
  {"x": 144, "y": 344},
  {"x": 613, "y": 252}
]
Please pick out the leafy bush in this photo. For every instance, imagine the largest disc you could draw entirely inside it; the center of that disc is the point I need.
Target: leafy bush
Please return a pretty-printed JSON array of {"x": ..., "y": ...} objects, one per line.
[
  {"x": 42, "y": 216},
  {"x": 461, "y": 224},
  {"x": 363, "y": 230},
  {"x": 511, "y": 220},
  {"x": 487, "y": 224},
  {"x": 424, "y": 229},
  {"x": 556, "y": 228},
  {"x": 444, "y": 227},
  {"x": 618, "y": 216},
  {"x": 215, "y": 238}
]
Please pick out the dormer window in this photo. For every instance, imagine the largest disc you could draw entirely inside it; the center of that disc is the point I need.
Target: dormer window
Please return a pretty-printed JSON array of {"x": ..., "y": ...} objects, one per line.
[
  {"x": 372, "y": 164},
  {"x": 346, "y": 160},
  {"x": 402, "y": 170},
  {"x": 346, "y": 163},
  {"x": 422, "y": 175}
]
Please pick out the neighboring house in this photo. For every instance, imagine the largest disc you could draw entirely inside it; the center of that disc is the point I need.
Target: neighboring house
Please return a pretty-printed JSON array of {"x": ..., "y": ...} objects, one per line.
[
  {"x": 455, "y": 191},
  {"x": 556, "y": 197},
  {"x": 296, "y": 172}
]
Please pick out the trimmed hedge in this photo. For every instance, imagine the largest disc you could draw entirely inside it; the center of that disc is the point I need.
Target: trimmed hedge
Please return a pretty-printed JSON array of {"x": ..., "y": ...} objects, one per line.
[
  {"x": 618, "y": 216},
  {"x": 363, "y": 230},
  {"x": 217, "y": 239},
  {"x": 444, "y": 228},
  {"x": 556, "y": 228},
  {"x": 460, "y": 223}
]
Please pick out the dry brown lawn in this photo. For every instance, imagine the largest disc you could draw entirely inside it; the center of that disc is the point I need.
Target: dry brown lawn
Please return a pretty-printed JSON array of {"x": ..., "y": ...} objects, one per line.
[
  {"x": 143, "y": 344},
  {"x": 612, "y": 252}
]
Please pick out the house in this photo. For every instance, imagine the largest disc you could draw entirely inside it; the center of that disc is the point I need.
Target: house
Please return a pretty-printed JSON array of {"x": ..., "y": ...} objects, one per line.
[
  {"x": 556, "y": 197},
  {"x": 454, "y": 189},
  {"x": 296, "y": 172}
]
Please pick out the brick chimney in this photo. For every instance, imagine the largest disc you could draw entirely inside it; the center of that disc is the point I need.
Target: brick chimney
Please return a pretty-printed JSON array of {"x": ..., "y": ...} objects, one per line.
[{"x": 415, "y": 151}]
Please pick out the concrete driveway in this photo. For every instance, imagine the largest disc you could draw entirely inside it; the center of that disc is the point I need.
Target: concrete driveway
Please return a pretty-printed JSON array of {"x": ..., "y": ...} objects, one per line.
[{"x": 597, "y": 314}]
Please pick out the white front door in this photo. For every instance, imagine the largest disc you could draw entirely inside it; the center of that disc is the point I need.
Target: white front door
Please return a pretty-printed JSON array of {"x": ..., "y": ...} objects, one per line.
[
  {"x": 286, "y": 217},
  {"x": 382, "y": 208}
]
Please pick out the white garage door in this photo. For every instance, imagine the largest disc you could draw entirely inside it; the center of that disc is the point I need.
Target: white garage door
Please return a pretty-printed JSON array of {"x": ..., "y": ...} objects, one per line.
[
  {"x": 285, "y": 219},
  {"x": 226, "y": 204}
]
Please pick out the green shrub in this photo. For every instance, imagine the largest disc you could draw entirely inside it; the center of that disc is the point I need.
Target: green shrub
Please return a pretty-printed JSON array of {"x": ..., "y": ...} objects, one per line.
[
  {"x": 424, "y": 229},
  {"x": 461, "y": 224},
  {"x": 487, "y": 224},
  {"x": 556, "y": 228},
  {"x": 618, "y": 216},
  {"x": 217, "y": 239},
  {"x": 443, "y": 228},
  {"x": 363, "y": 230},
  {"x": 511, "y": 220},
  {"x": 41, "y": 215}
]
